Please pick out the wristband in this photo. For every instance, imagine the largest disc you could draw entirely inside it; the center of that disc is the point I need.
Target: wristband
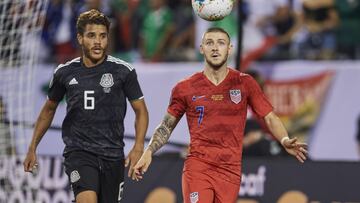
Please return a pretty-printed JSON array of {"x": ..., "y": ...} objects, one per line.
[{"x": 284, "y": 139}]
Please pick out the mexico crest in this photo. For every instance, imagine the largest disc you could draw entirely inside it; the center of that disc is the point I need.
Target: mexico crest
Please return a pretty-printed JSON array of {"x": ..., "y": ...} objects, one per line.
[
  {"x": 107, "y": 82},
  {"x": 235, "y": 96},
  {"x": 194, "y": 197}
]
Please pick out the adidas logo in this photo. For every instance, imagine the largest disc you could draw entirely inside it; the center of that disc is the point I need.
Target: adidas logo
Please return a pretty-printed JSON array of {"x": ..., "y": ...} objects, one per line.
[{"x": 73, "y": 82}]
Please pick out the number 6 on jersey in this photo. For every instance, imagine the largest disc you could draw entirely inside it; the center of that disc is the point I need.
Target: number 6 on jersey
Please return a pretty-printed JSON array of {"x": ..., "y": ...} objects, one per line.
[{"x": 89, "y": 101}]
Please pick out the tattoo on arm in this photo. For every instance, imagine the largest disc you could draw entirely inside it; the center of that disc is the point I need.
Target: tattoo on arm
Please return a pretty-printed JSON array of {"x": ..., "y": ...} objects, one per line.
[{"x": 163, "y": 132}]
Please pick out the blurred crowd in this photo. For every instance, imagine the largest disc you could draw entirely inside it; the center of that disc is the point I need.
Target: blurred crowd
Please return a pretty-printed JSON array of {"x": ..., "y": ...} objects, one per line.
[{"x": 166, "y": 30}]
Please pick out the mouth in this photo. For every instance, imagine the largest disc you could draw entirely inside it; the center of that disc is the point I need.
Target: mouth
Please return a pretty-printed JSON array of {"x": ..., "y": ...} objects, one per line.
[
  {"x": 97, "y": 50},
  {"x": 215, "y": 55}
]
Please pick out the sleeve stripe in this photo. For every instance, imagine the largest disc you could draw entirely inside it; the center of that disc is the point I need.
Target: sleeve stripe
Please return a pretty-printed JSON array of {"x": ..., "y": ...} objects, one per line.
[
  {"x": 142, "y": 97},
  {"x": 119, "y": 61},
  {"x": 67, "y": 63}
]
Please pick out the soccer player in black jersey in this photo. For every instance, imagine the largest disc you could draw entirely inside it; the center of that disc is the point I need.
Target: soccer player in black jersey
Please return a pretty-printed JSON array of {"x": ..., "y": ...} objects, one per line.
[{"x": 96, "y": 86}]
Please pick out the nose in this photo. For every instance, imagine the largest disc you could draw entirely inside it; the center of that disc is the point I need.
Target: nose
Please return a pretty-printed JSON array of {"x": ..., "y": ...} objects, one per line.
[
  {"x": 97, "y": 39},
  {"x": 215, "y": 47}
]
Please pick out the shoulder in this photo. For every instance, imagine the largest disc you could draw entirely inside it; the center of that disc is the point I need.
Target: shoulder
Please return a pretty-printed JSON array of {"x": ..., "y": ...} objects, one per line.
[
  {"x": 240, "y": 76},
  {"x": 65, "y": 66},
  {"x": 189, "y": 80},
  {"x": 238, "y": 73},
  {"x": 185, "y": 85},
  {"x": 118, "y": 63}
]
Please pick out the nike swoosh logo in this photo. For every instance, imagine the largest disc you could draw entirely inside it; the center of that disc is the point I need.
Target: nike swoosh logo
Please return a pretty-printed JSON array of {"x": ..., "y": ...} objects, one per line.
[{"x": 197, "y": 97}]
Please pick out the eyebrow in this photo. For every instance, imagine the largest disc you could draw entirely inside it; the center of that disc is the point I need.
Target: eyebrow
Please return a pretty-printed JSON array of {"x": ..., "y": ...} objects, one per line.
[
  {"x": 93, "y": 32},
  {"x": 215, "y": 40}
]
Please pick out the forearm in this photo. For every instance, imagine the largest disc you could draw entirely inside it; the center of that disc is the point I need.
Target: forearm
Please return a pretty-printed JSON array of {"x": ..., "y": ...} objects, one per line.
[
  {"x": 275, "y": 126},
  {"x": 162, "y": 133},
  {"x": 159, "y": 139},
  {"x": 141, "y": 125},
  {"x": 42, "y": 124}
]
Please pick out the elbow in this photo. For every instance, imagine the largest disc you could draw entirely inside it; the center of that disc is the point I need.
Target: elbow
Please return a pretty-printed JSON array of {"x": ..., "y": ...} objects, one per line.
[{"x": 270, "y": 119}]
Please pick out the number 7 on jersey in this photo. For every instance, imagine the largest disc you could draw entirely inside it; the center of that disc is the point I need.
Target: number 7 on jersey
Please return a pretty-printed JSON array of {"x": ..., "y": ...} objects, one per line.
[{"x": 200, "y": 109}]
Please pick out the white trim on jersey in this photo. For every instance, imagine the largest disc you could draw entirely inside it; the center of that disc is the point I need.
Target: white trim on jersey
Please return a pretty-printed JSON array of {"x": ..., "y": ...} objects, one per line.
[
  {"x": 142, "y": 97},
  {"x": 119, "y": 61},
  {"x": 67, "y": 63}
]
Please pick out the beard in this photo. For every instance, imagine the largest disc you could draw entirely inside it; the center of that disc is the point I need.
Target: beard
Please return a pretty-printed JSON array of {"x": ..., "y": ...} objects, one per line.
[
  {"x": 87, "y": 54},
  {"x": 218, "y": 65}
]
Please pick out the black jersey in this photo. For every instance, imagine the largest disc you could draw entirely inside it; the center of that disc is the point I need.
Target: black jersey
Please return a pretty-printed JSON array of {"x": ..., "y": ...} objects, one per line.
[{"x": 96, "y": 104}]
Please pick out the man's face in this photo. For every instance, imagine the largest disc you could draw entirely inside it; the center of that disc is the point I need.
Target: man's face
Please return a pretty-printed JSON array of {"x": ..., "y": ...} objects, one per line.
[
  {"x": 215, "y": 47},
  {"x": 94, "y": 42}
]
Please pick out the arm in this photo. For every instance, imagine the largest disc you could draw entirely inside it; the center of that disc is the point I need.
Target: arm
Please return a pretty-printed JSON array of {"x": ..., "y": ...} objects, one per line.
[
  {"x": 292, "y": 146},
  {"x": 42, "y": 125},
  {"x": 141, "y": 125},
  {"x": 159, "y": 139},
  {"x": 162, "y": 133}
]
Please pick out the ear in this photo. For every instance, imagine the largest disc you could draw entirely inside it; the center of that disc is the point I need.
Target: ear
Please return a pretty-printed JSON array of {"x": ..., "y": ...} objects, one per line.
[
  {"x": 79, "y": 38},
  {"x": 230, "y": 49},
  {"x": 201, "y": 49}
]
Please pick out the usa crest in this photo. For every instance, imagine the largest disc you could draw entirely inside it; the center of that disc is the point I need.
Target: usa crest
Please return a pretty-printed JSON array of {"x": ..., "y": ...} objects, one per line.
[
  {"x": 235, "y": 96},
  {"x": 107, "y": 82}
]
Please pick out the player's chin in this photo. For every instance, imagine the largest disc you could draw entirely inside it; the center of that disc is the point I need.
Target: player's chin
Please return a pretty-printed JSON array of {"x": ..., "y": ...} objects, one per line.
[
  {"x": 97, "y": 56},
  {"x": 216, "y": 64}
]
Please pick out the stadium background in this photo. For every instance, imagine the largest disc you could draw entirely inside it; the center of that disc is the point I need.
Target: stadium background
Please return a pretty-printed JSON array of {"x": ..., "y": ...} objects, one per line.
[{"x": 312, "y": 84}]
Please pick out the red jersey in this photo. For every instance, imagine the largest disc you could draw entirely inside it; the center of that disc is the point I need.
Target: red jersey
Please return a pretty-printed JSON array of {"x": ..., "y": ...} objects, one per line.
[{"x": 216, "y": 116}]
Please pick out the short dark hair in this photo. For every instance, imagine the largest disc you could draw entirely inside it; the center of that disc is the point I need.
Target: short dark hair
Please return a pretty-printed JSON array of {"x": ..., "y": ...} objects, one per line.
[
  {"x": 91, "y": 17},
  {"x": 217, "y": 29}
]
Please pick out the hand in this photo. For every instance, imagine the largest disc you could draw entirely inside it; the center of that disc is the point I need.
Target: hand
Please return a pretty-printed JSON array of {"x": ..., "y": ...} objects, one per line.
[
  {"x": 295, "y": 148},
  {"x": 30, "y": 162},
  {"x": 143, "y": 164},
  {"x": 132, "y": 158}
]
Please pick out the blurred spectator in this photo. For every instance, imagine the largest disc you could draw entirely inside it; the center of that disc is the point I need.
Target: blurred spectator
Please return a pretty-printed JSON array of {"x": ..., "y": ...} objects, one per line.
[
  {"x": 257, "y": 143},
  {"x": 101, "y": 5},
  {"x": 182, "y": 43},
  {"x": 5, "y": 136},
  {"x": 263, "y": 24},
  {"x": 316, "y": 39},
  {"x": 129, "y": 16},
  {"x": 156, "y": 31},
  {"x": 286, "y": 23},
  {"x": 164, "y": 30},
  {"x": 59, "y": 32},
  {"x": 348, "y": 39}
]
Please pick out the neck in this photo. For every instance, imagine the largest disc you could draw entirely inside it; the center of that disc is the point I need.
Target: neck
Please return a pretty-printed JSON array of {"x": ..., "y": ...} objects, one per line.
[
  {"x": 91, "y": 63},
  {"x": 216, "y": 76}
]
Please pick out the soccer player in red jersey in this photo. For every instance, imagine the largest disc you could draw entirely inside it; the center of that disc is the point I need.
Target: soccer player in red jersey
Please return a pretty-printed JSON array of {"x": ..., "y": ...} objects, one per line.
[{"x": 215, "y": 102}]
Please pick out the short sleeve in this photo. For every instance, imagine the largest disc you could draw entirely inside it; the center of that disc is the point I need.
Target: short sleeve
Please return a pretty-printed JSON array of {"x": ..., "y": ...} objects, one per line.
[
  {"x": 132, "y": 87},
  {"x": 177, "y": 105},
  {"x": 257, "y": 99},
  {"x": 56, "y": 88}
]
